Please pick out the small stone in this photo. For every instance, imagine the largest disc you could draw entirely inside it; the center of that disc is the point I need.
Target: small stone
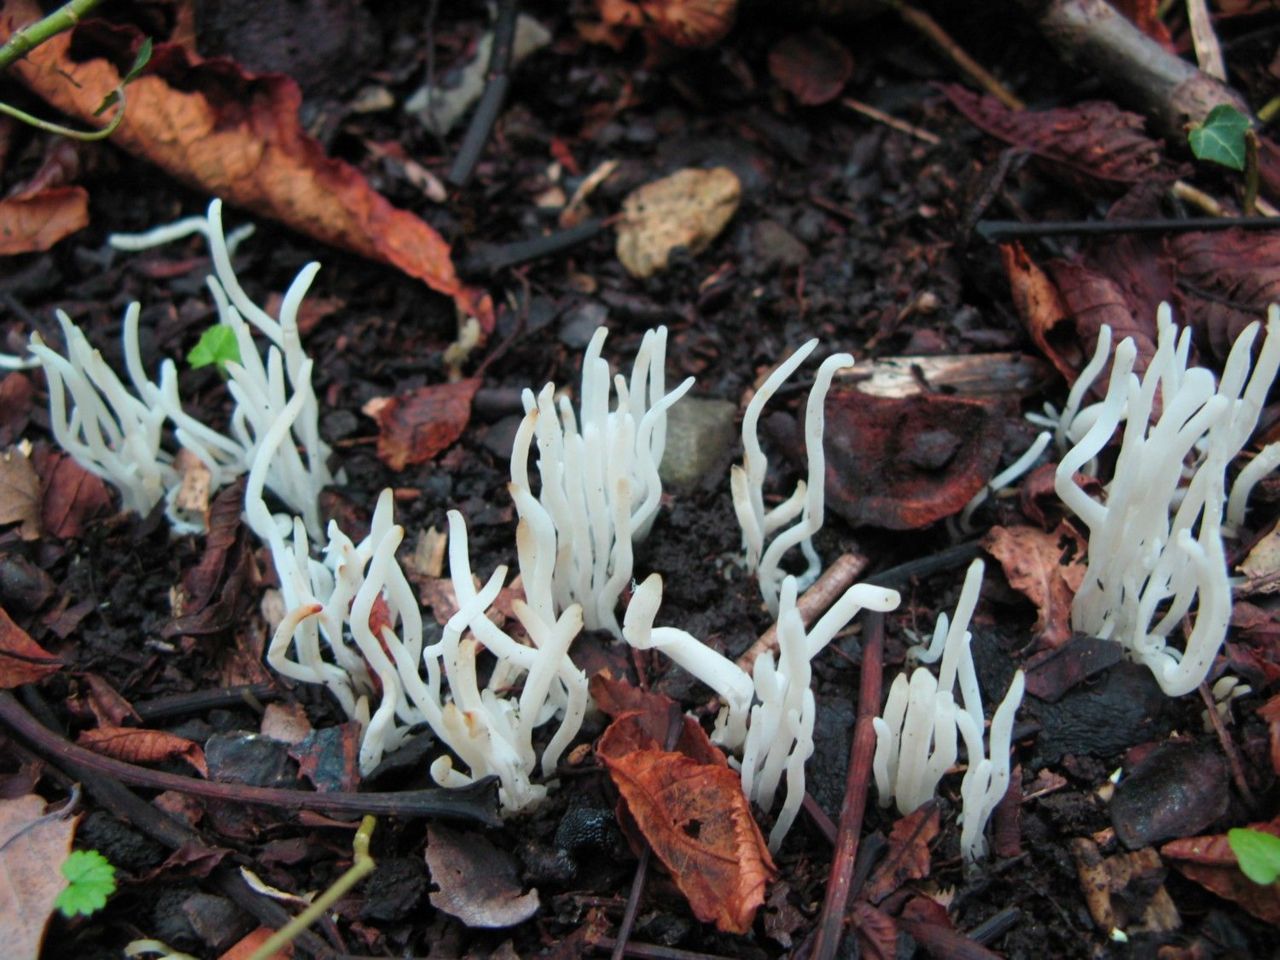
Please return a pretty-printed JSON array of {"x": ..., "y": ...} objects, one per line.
[
  {"x": 1177, "y": 791},
  {"x": 687, "y": 209},
  {"x": 700, "y": 432}
]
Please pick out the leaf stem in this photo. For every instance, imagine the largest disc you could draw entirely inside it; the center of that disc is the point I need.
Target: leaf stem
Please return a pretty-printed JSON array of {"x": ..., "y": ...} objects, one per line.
[{"x": 32, "y": 35}]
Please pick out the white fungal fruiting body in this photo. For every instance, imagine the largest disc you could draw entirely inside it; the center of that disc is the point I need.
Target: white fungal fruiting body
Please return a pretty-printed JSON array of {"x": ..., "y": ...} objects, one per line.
[
  {"x": 600, "y": 488},
  {"x": 916, "y": 739},
  {"x": 1155, "y": 538},
  {"x": 808, "y": 499},
  {"x": 116, "y": 432}
]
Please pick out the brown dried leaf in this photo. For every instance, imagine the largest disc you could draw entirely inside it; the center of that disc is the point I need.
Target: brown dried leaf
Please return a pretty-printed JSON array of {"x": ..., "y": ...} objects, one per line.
[
  {"x": 223, "y": 130},
  {"x": 1269, "y": 713},
  {"x": 33, "y": 223},
  {"x": 22, "y": 660},
  {"x": 478, "y": 882},
  {"x": 32, "y": 848},
  {"x": 687, "y": 209},
  {"x": 1086, "y": 143},
  {"x": 1230, "y": 278},
  {"x": 1145, "y": 15},
  {"x": 19, "y": 494},
  {"x": 71, "y": 495},
  {"x": 134, "y": 745},
  {"x": 16, "y": 394},
  {"x": 692, "y": 24},
  {"x": 212, "y": 598},
  {"x": 1033, "y": 565},
  {"x": 902, "y": 463},
  {"x": 1210, "y": 862},
  {"x": 1041, "y": 308},
  {"x": 414, "y": 427},
  {"x": 650, "y": 727},
  {"x": 877, "y": 932},
  {"x": 812, "y": 66},
  {"x": 908, "y": 856},
  {"x": 697, "y": 821}
]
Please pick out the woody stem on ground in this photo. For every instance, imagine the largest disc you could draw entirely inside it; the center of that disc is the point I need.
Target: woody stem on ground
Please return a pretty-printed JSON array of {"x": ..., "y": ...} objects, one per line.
[{"x": 839, "y": 886}]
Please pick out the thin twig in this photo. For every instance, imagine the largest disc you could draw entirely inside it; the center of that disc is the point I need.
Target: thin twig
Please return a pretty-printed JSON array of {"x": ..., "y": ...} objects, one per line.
[
  {"x": 475, "y": 802},
  {"x": 924, "y": 23},
  {"x": 495, "y": 94},
  {"x": 998, "y": 230},
  {"x": 891, "y": 121},
  {"x": 490, "y": 259},
  {"x": 839, "y": 886}
]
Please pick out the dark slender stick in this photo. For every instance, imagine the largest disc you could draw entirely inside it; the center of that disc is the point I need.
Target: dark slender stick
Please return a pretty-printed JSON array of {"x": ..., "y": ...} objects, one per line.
[
  {"x": 181, "y": 704},
  {"x": 495, "y": 93},
  {"x": 840, "y": 885},
  {"x": 653, "y": 951},
  {"x": 475, "y": 802},
  {"x": 488, "y": 259},
  {"x": 996, "y": 230}
]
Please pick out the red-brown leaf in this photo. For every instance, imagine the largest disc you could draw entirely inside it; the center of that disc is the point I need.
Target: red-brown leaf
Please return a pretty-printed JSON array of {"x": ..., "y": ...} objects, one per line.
[
  {"x": 33, "y": 223},
  {"x": 237, "y": 135},
  {"x": 908, "y": 856},
  {"x": 143, "y": 746},
  {"x": 1210, "y": 862},
  {"x": 1033, "y": 565},
  {"x": 812, "y": 66},
  {"x": 697, "y": 820},
  {"x": 414, "y": 427},
  {"x": 22, "y": 660},
  {"x": 1089, "y": 142},
  {"x": 72, "y": 496}
]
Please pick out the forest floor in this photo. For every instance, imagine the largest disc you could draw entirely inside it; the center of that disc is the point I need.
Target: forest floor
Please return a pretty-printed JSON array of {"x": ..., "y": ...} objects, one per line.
[{"x": 856, "y": 232}]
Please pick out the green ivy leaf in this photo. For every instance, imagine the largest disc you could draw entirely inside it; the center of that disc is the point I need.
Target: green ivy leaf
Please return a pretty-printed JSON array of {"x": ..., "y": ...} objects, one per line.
[
  {"x": 1220, "y": 139},
  {"x": 139, "y": 64},
  {"x": 91, "y": 879},
  {"x": 217, "y": 345},
  {"x": 1258, "y": 853}
]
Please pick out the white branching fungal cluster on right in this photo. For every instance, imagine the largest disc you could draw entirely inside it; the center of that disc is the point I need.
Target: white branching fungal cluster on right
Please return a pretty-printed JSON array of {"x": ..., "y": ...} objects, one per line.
[{"x": 1155, "y": 538}]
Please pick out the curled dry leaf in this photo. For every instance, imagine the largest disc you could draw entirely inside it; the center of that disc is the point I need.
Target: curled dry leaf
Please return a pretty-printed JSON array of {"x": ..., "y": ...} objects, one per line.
[
  {"x": 477, "y": 882},
  {"x": 416, "y": 426},
  {"x": 20, "y": 494},
  {"x": 36, "y": 222},
  {"x": 33, "y": 846},
  {"x": 1087, "y": 144},
  {"x": 22, "y": 660},
  {"x": 908, "y": 856},
  {"x": 812, "y": 66},
  {"x": 133, "y": 745},
  {"x": 692, "y": 24},
  {"x": 237, "y": 135},
  {"x": 905, "y": 462},
  {"x": 1210, "y": 862},
  {"x": 697, "y": 821},
  {"x": 1046, "y": 568}
]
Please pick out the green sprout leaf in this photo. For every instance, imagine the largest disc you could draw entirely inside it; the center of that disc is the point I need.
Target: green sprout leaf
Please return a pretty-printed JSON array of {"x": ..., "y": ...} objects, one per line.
[
  {"x": 217, "y": 345},
  {"x": 1220, "y": 139},
  {"x": 139, "y": 64},
  {"x": 91, "y": 879},
  {"x": 1258, "y": 853}
]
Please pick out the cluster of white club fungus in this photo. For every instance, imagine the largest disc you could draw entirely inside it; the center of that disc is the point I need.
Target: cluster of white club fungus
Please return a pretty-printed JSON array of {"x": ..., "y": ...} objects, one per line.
[
  {"x": 1155, "y": 536},
  {"x": 807, "y": 501},
  {"x": 118, "y": 434},
  {"x": 916, "y": 735}
]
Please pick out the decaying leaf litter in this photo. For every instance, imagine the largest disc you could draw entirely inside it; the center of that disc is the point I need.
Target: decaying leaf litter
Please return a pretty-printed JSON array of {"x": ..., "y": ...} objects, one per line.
[{"x": 842, "y": 227}]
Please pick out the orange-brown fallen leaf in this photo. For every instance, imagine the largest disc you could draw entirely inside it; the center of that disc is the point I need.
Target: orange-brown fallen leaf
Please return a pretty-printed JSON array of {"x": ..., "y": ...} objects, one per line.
[
  {"x": 71, "y": 495},
  {"x": 36, "y": 222},
  {"x": 246, "y": 947},
  {"x": 22, "y": 660},
  {"x": 1210, "y": 862},
  {"x": 32, "y": 848},
  {"x": 234, "y": 134},
  {"x": 133, "y": 745},
  {"x": 908, "y": 856},
  {"x": 697, "y": 821},
  {"x": 1033, "y": 565},
  {"x": 413, "y": 427}
]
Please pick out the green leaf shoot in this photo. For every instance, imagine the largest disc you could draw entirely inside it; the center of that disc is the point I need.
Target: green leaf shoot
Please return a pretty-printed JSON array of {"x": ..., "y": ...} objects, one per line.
[
  {"x": 139, "y": 64},
  {"x": 217, "y": 346},
  {"x": 91, "y": 879},
  {"x": 1258, "y": 853},
  {"x": 1220, "y": 139}
]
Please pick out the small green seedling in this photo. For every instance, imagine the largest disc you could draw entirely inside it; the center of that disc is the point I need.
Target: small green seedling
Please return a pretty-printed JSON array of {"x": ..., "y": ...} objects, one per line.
[
  {"x": 1258, "y": 853},
  {"x": 139, "y": 64},
  {"x": 1221, "y": 138},
  {"x": 217, "y": 345},
  {"x": 91, "y": 879}
]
